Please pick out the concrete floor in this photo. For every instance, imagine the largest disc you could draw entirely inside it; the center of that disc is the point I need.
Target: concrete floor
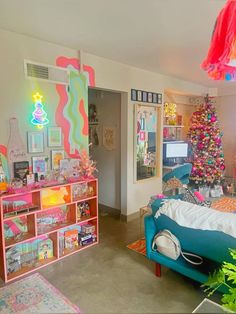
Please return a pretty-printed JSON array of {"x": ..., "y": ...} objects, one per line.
[{"x": 109, "y": 278}]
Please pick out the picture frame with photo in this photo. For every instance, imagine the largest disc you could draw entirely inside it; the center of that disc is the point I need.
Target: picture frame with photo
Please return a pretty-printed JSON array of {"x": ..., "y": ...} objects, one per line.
[
  {"x": 40, "y": 166},
  {"x": 139, "y": 95},
  {"x": 159, "y": 98},
  {"x": 144, "y": 96},
  {"x": 54, "y": 136},
  {"x": 21, "y": 170},
  {"x": 35, "y": 142},
  {"x": 133, "y": 94},
  {"x": 150, "y": 97},
  {"x": 155, "y": 98},
  {"x": 56, "y": 157}
]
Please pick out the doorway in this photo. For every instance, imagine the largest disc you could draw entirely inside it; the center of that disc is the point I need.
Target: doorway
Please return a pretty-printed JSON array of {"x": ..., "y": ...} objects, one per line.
[{"x": 104, "y": 111}]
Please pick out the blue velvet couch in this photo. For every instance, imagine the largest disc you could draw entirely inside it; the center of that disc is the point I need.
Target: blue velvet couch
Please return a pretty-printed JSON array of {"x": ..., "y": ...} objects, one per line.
[{"x": 211, "y": 245}]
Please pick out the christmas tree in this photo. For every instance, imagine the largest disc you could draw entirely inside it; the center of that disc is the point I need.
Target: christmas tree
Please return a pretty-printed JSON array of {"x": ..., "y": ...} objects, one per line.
[
  {"x": 39, "y": 114},
  {"x": 207, "y": 152}
]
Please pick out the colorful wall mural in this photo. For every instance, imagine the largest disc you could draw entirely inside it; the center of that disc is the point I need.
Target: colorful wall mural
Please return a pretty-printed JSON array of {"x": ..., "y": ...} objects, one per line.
[
  {"x": 3, "y": 157},
  {"x": 72, "y": 110}
]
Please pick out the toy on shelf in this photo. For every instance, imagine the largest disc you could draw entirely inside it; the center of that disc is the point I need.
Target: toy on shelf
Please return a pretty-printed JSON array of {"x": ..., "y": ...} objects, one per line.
[
  {"x": 13, "y": 260},
  {"x": 82, "y": 190},
  {"x": 86, "y": 238},
  {"x": 83, "y": 210},
  {"x": 71, "y": 239},
  {"x": 45, "y": 249},
  {"x": 51, "y": 219},
  {"x": 88, "y": 228},
  {"x": 29, "y": 258}
]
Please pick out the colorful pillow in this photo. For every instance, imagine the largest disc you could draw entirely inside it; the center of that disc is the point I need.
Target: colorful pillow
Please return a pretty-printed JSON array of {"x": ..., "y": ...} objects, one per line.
[
  {"x": 195, "y": 198},
  {"x": 190, "y": 197}
]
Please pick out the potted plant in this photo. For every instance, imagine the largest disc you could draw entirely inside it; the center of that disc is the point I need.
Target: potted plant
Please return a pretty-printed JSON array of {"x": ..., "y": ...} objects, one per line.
[{"x": 226, "y": 277}]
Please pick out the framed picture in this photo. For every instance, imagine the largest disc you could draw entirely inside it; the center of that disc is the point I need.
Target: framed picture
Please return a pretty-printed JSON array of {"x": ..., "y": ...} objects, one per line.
[
  {"x": 56, "y": 157},
  {"x": 154, "y": 98},
  {"x": 54, "y": 136},
  {"x": 150, "y": 97},
  {"x": 159, "y": 98},
  {"x": 147, "y": 141},
  {"x": 109, "y": 138},
  {"x": 139, "y": 95},
  {"x": 35, "y": 142},
  {"x": 133, "y": 94},
  {"x": 40, "y": 166},
  {"x": 21, "y": 170},
  {"x": 144, "y": 96}
]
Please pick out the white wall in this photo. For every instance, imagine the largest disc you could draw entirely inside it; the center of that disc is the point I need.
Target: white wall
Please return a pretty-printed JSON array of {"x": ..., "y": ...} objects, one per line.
[
  {"x": 116, "y": 76},
  {"x": 226, "y": 109},
  {"x": 108, "y": 161},
  {"x": 16, "y": 99}
]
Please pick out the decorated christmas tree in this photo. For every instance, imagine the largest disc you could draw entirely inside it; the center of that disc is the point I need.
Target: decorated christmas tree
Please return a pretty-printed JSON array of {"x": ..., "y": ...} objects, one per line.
[
  {"x": 207, "y": 152},
  {"x": 39, "y": 115}
]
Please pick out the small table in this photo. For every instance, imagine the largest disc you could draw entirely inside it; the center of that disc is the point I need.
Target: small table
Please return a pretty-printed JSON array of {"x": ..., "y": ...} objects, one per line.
[
  {"x": 143, "y": 211},
  {"x": 208, "y": 306}
]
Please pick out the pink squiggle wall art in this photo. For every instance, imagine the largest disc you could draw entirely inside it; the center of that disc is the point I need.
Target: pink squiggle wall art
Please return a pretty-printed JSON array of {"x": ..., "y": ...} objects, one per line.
[{"x": 72, "y": 109}]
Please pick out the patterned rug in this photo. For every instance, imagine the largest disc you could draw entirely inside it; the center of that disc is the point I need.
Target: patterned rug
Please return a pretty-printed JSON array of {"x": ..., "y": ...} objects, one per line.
[
  {"x": 138, "y": 246},
  {"x": 34, "y": 294},
  {"x": 225, "y": 204}
]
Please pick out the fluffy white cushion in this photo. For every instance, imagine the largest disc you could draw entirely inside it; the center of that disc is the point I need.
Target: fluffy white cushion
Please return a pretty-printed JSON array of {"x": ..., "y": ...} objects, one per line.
[{"x": 198, "y": 217}]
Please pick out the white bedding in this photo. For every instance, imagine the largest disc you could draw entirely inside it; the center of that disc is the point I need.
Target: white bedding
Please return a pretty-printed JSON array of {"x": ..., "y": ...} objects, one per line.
[{"x": 198, "y": 217}]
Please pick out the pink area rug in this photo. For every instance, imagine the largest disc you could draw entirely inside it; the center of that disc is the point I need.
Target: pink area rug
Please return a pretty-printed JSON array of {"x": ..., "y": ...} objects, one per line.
[
  {"x": 225, "y": 204},
  {"x": 34, "y": 294}
]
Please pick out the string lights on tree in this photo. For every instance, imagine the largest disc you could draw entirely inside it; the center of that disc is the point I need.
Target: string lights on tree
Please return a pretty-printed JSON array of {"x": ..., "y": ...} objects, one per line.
[{"x": 205, "y": 137}]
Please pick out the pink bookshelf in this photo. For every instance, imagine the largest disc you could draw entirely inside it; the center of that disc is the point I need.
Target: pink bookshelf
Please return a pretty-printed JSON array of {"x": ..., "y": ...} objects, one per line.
[{"x": 29, "y": 218}]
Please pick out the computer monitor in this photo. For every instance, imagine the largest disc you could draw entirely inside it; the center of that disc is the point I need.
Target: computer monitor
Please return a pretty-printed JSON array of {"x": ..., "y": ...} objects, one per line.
[
  {"x": 151, "y": 142},
  {"x": 174, "y": 152}
]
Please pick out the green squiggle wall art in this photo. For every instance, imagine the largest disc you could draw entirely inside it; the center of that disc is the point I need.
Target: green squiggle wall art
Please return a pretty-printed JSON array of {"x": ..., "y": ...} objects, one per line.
[{"x": 72, "y": 110}]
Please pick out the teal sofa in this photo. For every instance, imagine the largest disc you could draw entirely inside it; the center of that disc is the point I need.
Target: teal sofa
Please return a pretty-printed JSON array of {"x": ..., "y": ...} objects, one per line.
[{"x": 212, "y": 246}]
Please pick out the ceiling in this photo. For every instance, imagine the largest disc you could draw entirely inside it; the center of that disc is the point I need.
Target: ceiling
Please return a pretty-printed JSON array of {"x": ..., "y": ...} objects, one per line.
[{"x": 166, "y": 36}]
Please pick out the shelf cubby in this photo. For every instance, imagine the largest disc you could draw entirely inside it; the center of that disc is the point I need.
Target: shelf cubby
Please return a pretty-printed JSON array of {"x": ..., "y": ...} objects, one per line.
[
  {"x": 55, "y": 196},
  {"x": 92, "y": 204},
  {"x": 83, "y": 190},
  {"x": 25, "y": 257},
  {"x": 18, "y": 204},
  {"x": 49, "y": 220},
  {"x": 22, "y": 229}
]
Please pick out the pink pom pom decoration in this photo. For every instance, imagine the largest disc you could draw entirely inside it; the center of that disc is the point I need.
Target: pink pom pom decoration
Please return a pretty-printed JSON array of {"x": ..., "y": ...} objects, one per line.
[{"x": 199, "y": 196}]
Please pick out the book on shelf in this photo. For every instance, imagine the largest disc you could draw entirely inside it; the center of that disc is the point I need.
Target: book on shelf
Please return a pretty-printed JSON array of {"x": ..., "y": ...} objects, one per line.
[
  {"x": 71, "y": 239},
  {"x": 45, "y": 249}
]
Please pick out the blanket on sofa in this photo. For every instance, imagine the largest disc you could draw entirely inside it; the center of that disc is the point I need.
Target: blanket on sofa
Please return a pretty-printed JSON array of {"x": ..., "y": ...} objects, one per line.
[{"x": 198, "y": 217}]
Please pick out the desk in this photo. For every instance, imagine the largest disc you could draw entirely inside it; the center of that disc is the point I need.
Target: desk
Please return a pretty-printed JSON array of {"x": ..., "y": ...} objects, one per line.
[{"x": 173, "y": 167}]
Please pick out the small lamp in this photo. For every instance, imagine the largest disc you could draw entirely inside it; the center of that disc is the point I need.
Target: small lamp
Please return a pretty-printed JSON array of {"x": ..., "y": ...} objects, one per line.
[{"x": 220, "y": 62}]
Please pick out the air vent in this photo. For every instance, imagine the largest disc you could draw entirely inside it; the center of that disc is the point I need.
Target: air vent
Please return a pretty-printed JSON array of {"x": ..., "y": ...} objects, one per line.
[{"x": 51, "y": 74}]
